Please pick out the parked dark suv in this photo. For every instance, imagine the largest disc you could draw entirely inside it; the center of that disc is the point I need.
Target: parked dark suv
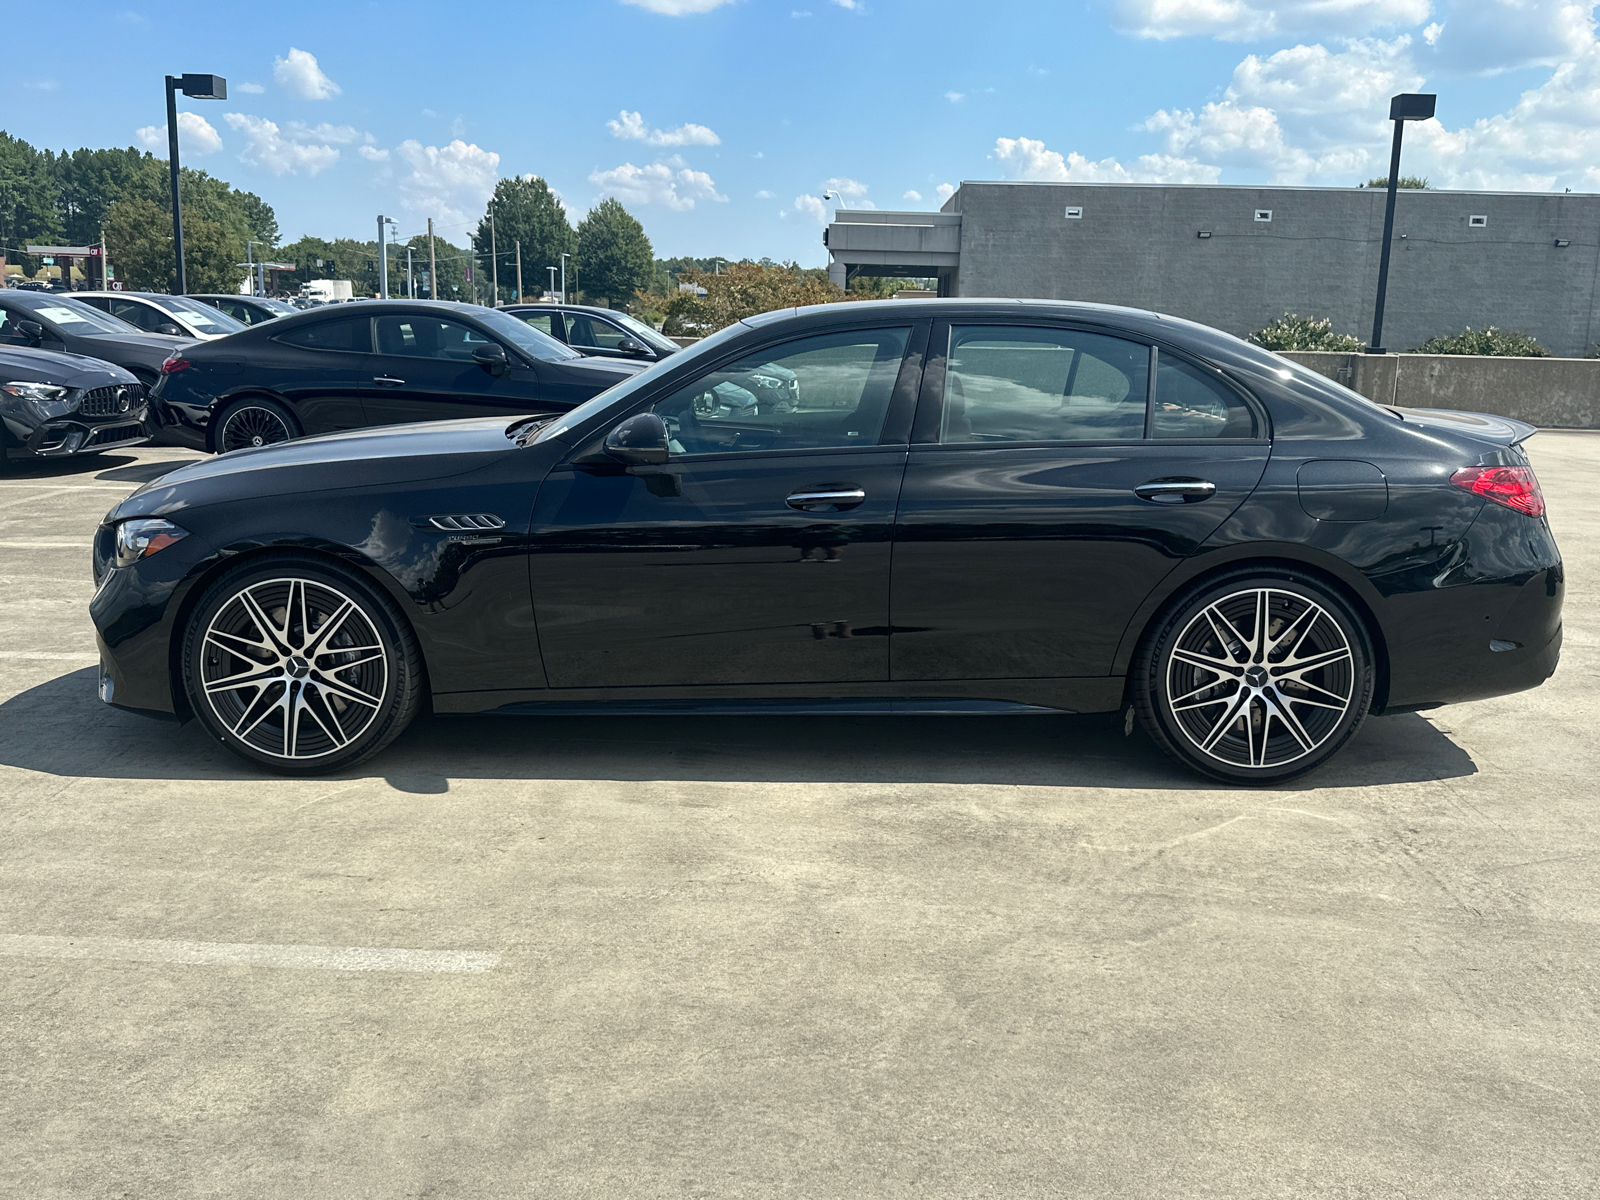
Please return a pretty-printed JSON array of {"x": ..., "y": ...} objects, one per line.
[
  {"x": 601, "y": 332},
  {"x": 384, "y": 362}
]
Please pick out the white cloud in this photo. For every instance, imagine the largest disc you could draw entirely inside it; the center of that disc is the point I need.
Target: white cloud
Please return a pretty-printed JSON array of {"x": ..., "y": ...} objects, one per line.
[
  {"x": 196, "y": 135},
  {"x": 914, "y": 196},
  {"x": 252, "y": 89},
  {"x": 630, "y": 126},
  {"x": 1490, "y": 36},
  {"x": 268, "y": 147},
  {"x": 341, "y": 135},
  {"x": 763, "y": 194},
  {"x": 372, "y": 153},
  {"x": 1254, "y": 20},
  {"x": 955, "y": 97},
  {"x": 450, "y": 183},
  {"x": 944, "y": 191},
  {"x": 850, "y": 189},
  {"x": 1432, "y": 32},
  {"x": 813, "y": 207},
  {"x": 800, "y": 13},
  {"x": 1027, "y": 158},
  {"x": 679, "y": 8},
  {"x": 851, "y": 5},
  {"x": 670, "y": 184},
  {"x": 300, "y": 75}
]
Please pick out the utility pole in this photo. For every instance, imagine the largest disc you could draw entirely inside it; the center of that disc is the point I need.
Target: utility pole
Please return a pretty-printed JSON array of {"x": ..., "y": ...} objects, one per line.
[
  {"x": 383, "y": 261},
  {"x": 433, "y": 266},
  {"x": 519, "y": 270},
  {"x": 494, "y": 265}
]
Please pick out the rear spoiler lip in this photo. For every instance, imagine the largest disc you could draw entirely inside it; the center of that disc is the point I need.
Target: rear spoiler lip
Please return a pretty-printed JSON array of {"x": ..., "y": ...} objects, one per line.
[{"x": 1490, "y": 427}]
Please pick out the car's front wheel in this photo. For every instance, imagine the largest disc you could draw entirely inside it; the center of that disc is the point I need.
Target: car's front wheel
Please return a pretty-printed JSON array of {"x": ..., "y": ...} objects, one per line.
[
  {"x": 300, "y": 667},
  {"x": 1255, "y": 677},
  {"x": 254, "y": 421}
]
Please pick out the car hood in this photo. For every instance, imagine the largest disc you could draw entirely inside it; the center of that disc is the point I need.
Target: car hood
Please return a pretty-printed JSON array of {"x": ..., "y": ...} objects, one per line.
[
  {"x": 164, "y": 342},
  {"x": 358, "y": 458},
  {"x": 614, "y": 369},
  {"x": 1501, "y": 431},
  {"x": 54, "y": 366}
]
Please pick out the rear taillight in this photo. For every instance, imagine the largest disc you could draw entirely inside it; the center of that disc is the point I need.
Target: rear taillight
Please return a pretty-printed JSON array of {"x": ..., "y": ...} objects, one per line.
[
  {"x": 1515, "y": 487},
  {"x": 174, "y": 364}
]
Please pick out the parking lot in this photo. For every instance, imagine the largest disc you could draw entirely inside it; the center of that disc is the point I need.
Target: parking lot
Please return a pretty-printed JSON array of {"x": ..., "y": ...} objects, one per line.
[{"x": 762, "y": 956}]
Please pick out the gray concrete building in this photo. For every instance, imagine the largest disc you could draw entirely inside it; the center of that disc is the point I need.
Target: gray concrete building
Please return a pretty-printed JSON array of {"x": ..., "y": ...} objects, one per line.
[{"x": 1236, "y": 257}]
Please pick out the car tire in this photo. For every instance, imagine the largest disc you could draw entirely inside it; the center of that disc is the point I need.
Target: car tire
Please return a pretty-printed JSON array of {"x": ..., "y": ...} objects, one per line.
[
  {"x": 253, "y": 421},
  {"x": 1254, "y": 677},
  {"x": 300, "y": 666}
]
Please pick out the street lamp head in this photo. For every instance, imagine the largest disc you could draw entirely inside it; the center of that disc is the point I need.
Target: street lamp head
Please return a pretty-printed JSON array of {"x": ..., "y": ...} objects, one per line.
[
  {"x": 1412, "y": 106},
  {"x": 203, "y": 87}
]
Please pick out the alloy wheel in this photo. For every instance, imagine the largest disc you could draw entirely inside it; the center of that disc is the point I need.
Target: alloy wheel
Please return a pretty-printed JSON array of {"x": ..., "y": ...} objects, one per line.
[
  {"x": 1260, "y": 678},
  {"x": 253, "y": 426},
  {"x": 294, "y": 668}
]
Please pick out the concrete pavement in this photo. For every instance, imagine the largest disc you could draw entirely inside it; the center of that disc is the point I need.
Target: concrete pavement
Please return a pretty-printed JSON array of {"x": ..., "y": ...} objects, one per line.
[{"x": 1018, "y": 957}]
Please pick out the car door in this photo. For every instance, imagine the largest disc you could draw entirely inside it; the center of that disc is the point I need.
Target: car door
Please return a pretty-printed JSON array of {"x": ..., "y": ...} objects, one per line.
[
  {"x": 594, "y": 335},
  {"x": 424, "y": 370},
  {"x": 137, "y": 313},
  {"x": 1055, "y": 476},
  {"x": 760, "y": 552},
  {"x": 318, "y": 366}
]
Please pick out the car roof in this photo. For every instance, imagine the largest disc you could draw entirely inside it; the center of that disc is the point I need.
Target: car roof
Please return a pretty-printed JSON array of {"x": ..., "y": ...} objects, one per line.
[{"x": 579, "y": 308}]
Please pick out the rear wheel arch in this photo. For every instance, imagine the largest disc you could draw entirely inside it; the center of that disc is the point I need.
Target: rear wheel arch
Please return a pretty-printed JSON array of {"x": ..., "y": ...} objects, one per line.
[{"x": 1357, "y": 592}]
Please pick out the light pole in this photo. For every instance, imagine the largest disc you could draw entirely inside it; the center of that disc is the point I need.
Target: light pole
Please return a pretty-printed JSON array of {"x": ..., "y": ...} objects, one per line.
[
  {"x": 552, "y": 271},
  {"x": 836, "y": 196},
  {"x": 1408, "y": 106},
  {"x": 494, "y": 265},
  {"x": 519, "y": 270},
  {"x": 564, "y": 257},
  {"x": 433, "y": 266},
  {"x": 196, "y": 87},
  {"x": 383, "y": 257}
]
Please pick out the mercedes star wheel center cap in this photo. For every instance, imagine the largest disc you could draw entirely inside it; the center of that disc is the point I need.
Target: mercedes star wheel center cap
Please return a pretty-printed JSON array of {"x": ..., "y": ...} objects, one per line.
[{"x": 297, "y": 667}]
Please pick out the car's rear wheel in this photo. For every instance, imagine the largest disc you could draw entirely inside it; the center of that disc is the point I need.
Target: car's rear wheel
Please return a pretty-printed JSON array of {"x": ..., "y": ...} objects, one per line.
[
  {"x": 254, "y": 421},
  {"x": 1255, "y": 677},
  {"x": 300, "y": 667}
]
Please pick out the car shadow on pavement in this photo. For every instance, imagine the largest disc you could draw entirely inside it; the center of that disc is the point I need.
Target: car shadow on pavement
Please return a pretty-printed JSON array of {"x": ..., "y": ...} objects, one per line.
[{"x": 60, "y": 728}]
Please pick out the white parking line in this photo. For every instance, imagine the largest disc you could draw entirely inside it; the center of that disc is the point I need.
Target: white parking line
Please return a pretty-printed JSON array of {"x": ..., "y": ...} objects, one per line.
[
  {"x": 75, "y": 487},
  {"x": 52, "y": 655},
  {"x": 44, "y": 545},
  {"x": 250, "y": 954}
]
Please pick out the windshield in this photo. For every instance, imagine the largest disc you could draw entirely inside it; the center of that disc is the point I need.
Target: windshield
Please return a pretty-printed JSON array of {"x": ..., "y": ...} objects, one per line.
[
  {"x": 202, "y": 316},
  {"x": 74, "y": 316},
  {"x": 525, "y": 337},
  {"x": 645, "y": 334}
]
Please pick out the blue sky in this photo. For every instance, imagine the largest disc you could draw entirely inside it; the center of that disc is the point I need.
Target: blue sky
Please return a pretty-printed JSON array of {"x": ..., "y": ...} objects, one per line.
[{"x": 722, "y": 123}]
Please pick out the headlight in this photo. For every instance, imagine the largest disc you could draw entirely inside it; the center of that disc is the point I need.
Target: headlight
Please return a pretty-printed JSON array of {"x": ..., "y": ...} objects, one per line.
[
  {"x": 143, "y": 536},
  {"x": 25, "y": 389}
]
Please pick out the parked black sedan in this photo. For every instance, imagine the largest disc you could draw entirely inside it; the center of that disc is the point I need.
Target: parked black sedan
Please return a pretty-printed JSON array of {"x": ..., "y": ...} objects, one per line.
[
  {"x": 50, "y": 322},
  {"x": 58, "y": 405},
  {"x": 247, "y": 310},
  {"x": 378, "y": 363},
  {"x": 601, "y": 332},
  {"x": 1089, "y": 508}
]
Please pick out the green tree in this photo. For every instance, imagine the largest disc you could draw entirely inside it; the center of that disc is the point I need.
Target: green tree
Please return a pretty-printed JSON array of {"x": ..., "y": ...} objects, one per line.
[
  {"x": 1416, "y": 182},
  {"x": 1489, "y": 340},
  {"x": 140, "y": 235},
  {"x": 1294, "y": 332},
  {"x": 525, "y": 210},
  {"x": 27, "y": 201},
  {"x": 615, "y": 259},
  {"x": 743, "y": 290}
]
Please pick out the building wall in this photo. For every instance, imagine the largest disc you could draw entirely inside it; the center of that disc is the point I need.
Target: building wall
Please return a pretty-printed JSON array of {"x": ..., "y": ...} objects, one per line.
[{"x": 1318, "y": 256}]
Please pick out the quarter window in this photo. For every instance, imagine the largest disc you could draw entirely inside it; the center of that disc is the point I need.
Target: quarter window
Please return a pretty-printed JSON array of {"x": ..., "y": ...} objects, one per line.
[
  {"x": 351, "y": 334},
  {"x": 1188, "y": 404},
  {"x": 1024, "y": 384},
  {"x": 816, "y": 392}
]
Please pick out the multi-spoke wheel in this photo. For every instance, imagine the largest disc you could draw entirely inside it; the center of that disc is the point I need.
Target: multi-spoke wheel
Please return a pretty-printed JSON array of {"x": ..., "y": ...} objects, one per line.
[
  {"x": 300, "y": 667},
  {"x": 254, "y": 422},
  {"x": 1255, "y": 678}
]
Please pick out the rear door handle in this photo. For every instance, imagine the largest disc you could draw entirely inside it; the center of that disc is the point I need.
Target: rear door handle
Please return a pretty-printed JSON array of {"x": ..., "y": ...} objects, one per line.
[
  {"x": 1176, "y": 491},
  {"x": 388, "y": 381},
  {"x": 826, "y": 500}
]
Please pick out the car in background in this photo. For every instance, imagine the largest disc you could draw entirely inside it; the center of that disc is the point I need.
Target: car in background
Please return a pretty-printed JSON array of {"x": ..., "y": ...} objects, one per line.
[
  {"x": 49, "y": 322},
  {"x": 384, "y": 362},
  {"x": 156, "y": 312},
  {"x": 55, "y": 405},
  {"x": 247, "y": 310},
  {"x": 601, "y": 332}
]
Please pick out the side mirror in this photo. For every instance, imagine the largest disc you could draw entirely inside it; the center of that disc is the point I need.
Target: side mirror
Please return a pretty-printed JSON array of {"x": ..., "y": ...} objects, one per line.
[
  {"x": 640, "y": 441},
  {"x": 633, "y": 349},
  {"x": 491, "y": 356},
  {"x": 31, "y": 330},
  {"x": 169, "y": 329}
]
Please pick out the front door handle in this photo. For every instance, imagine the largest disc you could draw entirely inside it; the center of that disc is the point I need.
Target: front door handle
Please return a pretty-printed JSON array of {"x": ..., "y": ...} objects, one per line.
[
  {"x": 1176, "y": 490},
  {"x": 828, "y": 500},
  {"x": 388, "y": 381}
]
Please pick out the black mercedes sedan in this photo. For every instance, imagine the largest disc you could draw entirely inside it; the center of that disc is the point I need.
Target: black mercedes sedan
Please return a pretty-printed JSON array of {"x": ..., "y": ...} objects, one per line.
[
  {"x": 247, "y": 310},
  {"x": 55, "y": 405},
  {"x": 56, "y": 322},
  {"x": 384, "y": 362},
  {"x": 968, "y": 507}
]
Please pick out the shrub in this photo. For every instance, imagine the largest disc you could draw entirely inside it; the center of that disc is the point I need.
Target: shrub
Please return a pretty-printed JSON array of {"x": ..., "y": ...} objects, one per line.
[
  {"x": 1489, "y": 340},
  {"x": 1294, "y": 332}
]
